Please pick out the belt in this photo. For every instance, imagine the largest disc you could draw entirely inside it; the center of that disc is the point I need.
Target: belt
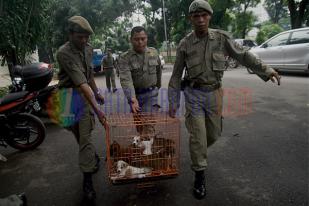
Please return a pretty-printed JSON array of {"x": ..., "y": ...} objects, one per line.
[
  {"x": 144, "y": 90},
  {"x": 206, "y": 87}
]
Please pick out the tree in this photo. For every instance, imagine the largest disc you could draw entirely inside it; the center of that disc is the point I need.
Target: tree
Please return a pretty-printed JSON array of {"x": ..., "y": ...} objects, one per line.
[
  {"x": 298, "y": 12},
  {"x": 244, "y": 19},
  {"x": 117, "y": 36},
  {"x": 99, "y": 13},
  {"x": 276, "y": 10},
  {"x": 221, "y": 17},
  {"x": 23, "y": 24},
  {"x": 267, "y": 31}
]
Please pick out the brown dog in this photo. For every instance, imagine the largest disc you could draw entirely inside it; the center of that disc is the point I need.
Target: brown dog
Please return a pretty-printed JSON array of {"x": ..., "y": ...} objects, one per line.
[{"x": 120, "y": 153}]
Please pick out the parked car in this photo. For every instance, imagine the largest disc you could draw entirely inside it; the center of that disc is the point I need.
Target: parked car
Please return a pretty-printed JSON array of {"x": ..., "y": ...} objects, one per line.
[
  {"x": 288, "y": 50},
  {"x": 97, "y": 59},
  {"x": 247, "y": 43}
]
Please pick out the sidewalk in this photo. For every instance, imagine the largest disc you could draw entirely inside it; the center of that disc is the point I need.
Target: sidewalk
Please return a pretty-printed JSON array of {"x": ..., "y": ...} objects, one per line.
[{"x": 5, "y": 79}]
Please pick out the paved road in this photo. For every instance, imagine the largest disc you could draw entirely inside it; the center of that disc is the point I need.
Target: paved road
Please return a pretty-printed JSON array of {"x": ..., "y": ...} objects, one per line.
[{"x": 261, "y": 159}]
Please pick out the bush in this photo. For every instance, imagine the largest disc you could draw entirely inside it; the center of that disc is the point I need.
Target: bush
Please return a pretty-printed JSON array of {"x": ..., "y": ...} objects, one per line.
[
  {"x": 267, "y": 31},
  {"x": 3, "y": 91}
]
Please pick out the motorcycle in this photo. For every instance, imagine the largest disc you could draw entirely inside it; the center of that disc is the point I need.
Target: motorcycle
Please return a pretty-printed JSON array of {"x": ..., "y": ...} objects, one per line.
[
  {"x": 19, "y": 129},
  {"x": 34, "y": 77}
]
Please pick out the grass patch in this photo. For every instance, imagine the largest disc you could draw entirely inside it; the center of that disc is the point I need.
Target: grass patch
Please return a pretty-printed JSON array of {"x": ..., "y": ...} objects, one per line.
[{"x": 3, "y": 91}]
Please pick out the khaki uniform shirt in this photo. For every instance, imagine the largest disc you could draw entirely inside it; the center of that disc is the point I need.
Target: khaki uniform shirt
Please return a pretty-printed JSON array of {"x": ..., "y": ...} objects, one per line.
[
  {"x": 108, "y": 62},
  {"x": 75, "y": 65},
  {"x": 139, "y": 71},
  {"x": 205, "y": 61}
]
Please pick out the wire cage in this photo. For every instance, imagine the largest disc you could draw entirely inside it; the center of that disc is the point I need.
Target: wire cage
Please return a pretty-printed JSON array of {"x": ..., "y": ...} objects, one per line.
[{"x": 142, "y": 147}]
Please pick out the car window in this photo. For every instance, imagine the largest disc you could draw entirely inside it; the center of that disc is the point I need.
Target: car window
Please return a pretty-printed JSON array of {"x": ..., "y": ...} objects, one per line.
[
  {"x": 300, "y": 37},
  {"x": 279, "y": 40}
]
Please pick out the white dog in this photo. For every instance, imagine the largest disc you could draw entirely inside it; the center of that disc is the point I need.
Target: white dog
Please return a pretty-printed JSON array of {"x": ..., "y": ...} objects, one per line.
[
  {"x": 126, "y": 170},
  {"x": 145, "y": 144}
]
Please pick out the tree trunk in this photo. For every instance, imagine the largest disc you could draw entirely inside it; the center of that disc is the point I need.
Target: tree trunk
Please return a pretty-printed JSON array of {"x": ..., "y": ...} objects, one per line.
[
  {"x": 297, "y": 15},
  {"x": 11, "y": 60}
]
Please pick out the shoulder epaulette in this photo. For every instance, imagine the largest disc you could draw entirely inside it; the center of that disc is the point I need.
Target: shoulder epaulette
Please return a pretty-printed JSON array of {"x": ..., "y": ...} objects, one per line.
[
  {"x": 152, "y": 51},
  {"x": 124, "y": 55},
  {"x": 225, "y": 33}
]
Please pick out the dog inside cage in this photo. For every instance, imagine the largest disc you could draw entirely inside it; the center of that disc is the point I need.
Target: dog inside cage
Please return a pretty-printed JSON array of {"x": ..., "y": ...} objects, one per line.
[{"x": 143, "y": 146}]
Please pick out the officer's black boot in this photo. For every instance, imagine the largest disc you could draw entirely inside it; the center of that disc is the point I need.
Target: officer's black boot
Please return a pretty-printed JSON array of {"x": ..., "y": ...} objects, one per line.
[
  {"x": 199, "y": 190},
  {"x": 89, "y": 193}
]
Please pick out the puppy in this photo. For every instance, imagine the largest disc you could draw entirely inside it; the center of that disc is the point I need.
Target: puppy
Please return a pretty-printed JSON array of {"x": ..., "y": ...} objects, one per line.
[
  {"x": 123, "y": 153},
  {"x": 126, "y": 170},
  {"x": 163, "y": 145},
  {"x": 146, "y": 145}
]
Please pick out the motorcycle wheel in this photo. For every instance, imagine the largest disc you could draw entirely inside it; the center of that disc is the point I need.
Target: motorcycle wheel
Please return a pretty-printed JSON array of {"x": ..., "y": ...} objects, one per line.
[{"x": 28, "y": 132}]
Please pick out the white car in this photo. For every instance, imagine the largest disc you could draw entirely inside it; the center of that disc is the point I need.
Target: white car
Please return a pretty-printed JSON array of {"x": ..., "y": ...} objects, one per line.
[{"x": 287, "y": 50}]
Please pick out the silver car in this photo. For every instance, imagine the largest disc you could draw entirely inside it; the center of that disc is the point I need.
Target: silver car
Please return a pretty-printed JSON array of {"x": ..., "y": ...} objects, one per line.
[{"x": 287, "y": 50}]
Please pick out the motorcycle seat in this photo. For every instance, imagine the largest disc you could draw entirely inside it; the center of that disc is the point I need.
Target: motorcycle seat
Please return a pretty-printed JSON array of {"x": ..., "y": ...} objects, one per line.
[{"x": 11, "y": 97}]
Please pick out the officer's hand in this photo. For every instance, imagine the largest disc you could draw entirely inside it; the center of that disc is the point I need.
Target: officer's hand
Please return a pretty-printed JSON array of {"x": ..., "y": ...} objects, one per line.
[
  {"x": 172, "y": 112},
  {"x": 135, "y": 106},
  {"x": 102, "y": 118},
  {"x": 99, "y": 98},
  {"x": 274, "y": 75}
]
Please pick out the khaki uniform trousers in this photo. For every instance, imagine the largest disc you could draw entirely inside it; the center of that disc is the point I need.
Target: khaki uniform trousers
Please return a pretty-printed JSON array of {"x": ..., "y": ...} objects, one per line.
[
  {"x": 110, "y": 78},
  {"x": 203, "y": 119},
  {"x": 82, "y": 132}
]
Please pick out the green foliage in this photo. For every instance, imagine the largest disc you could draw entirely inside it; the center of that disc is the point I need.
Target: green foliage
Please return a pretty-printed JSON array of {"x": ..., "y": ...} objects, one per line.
[
  {"x": 177, "y": 21},
  {"x": 276, "y": 9},
  {"x": 99, "y": 13},
  {"x": 117, "y": 36},
  {"x": 243, "y": 24},
  {"x": 221, "y": 17},
  {"x": 23, "y": 23},
  {"x": 244, "y": 19},
  {"x": 267, "y": 31},
  {"x": 3, "y": 91},
  {"x": 298, "y": 12}
]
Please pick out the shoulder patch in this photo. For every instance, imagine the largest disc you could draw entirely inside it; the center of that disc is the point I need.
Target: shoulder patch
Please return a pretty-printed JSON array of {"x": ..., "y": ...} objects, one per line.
[
  {"x": 185, "y": 39},
  {"x": 152, "y": 51},
  {"x": 188, "y": 35},
  {"x": 225, "y": 33},
  {"x": 124, "y": 54}
]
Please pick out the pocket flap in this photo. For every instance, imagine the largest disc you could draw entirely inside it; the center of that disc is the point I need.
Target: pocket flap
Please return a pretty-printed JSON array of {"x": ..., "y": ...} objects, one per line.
[
  {"x": 219, "y": 57},
  {"x": 153, "y": 62}
]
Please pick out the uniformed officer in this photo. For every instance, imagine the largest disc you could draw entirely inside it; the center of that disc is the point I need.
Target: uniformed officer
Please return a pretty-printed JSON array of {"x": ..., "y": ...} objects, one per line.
[
  {"x": 202, "y": 54},
  {"x": 108, "y": 64},
  {"x": 74, "y": 58},
  {"x": 140, "y": 73}
]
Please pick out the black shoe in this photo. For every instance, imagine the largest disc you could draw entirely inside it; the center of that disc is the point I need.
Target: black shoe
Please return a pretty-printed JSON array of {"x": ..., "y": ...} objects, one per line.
[
  {"x": 97, "y": 164},
  {"x": 89, "y": 193},
  {"x": 23, "y": 198},
  {"x": 114, "y": 90},
  {"x": 199, "y": 189}
]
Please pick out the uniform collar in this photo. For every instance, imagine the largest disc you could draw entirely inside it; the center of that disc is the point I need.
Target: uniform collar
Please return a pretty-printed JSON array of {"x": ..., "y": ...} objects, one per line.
[
  {"x": 211, "y": 36},
  {"x": 75, "y": 49},
  {"x": 133, "y": 52}
]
